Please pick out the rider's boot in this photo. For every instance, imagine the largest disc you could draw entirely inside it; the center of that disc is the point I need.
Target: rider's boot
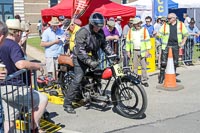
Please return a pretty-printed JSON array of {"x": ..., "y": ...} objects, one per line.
[
  {"x": 68, "y": 106},
  {"x": 161, "y": 77},
  {"x": 69, "y": 109}
]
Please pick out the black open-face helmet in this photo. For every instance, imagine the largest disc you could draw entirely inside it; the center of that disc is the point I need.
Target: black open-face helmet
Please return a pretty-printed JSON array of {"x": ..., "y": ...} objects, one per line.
[{"x": 97, "y": 20}]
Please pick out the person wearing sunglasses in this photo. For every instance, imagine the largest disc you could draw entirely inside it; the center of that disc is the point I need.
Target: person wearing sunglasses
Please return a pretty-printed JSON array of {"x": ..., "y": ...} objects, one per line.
[
  {"x": 173, "y": 34},
  {"x": 148, "y": 26}
]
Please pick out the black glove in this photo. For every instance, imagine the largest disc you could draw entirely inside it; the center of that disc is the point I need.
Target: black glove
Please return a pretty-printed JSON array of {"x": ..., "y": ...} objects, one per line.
[{"x": 91, "y": 63}]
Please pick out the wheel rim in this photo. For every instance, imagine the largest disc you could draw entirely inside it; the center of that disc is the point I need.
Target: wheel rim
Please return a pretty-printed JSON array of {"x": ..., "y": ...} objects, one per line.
[{"x": 135, "y": 107}]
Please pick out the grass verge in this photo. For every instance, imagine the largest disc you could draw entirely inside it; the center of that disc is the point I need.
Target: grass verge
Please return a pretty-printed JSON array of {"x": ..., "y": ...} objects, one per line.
[{"x": 35, "y": 42}]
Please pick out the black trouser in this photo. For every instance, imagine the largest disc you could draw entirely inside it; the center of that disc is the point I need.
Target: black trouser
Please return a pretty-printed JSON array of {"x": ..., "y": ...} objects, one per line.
[
  {"x": 125, "y": 59},
  {"x": 164, "y": 58},
  {"x": 74, "y": 88}
]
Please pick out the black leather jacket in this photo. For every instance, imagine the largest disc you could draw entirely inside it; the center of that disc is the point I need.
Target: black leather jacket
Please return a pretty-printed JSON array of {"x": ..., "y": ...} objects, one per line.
[{"x": 87, "y": 41}]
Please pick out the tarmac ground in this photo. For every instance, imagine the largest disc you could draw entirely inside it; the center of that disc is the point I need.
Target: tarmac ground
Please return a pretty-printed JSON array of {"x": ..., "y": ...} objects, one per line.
[{"x": 162, "y": 105}]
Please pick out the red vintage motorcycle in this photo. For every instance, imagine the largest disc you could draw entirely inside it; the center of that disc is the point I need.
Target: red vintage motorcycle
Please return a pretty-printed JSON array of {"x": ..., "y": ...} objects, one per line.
[{"x": 126, "y": 93}]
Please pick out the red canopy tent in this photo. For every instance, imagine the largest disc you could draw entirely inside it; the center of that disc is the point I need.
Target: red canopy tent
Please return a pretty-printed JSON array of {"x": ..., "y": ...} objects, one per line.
[{"x": 106, "y": 7}]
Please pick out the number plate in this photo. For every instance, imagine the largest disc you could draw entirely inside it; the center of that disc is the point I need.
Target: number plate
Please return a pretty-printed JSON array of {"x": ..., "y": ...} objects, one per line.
[{"x": 118, "y": 70}]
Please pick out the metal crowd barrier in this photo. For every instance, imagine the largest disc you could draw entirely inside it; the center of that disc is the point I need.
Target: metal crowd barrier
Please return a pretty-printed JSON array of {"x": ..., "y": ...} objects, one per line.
[
  {"x": 190, "y": 50},
  {"x": 121, "y": 52},
  {"x": 118, "y": 47},
  {"x": 17, "y": 109}
]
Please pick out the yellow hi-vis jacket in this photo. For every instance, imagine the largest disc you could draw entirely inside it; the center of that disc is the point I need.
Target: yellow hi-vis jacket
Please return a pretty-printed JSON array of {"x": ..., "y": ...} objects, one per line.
[
  {"x": 165, "y": 30},
  {"x": 144, "y": 38}
]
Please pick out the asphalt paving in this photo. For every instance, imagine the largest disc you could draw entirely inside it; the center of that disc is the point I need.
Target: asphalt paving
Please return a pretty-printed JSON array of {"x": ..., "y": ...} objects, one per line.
[{"x": 162, "y": 105}]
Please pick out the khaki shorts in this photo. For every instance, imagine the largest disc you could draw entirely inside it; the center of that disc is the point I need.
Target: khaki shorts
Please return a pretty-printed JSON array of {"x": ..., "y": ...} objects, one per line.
[
  {"x": 16, "y": 97},
  {"x": 52, "y": 64}
]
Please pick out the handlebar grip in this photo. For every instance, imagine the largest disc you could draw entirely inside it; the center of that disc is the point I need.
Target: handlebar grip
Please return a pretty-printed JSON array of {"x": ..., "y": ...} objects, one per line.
[{"x": 112, "y": 56}]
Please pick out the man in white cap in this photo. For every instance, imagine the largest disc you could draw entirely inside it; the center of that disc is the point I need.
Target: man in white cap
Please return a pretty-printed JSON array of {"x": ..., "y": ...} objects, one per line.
[
  {"x": 13, "y": 57},
  {"x": 138, "y": 43},
  {"x": 52, "y": 41}
]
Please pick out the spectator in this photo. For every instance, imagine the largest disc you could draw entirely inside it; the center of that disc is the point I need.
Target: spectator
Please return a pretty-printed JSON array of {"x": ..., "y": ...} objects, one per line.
[
  {"x": 3, "y": 74},
  {"x": 191, "y": 40},
  {"x": 39, "y": 28},
  {"x": 23, "y": 41},
  {"x": 163, "y": 20},
  {"x": 44, "y": 26},
  {"x": 3, "y": 32},
  {"x": 187, "y": 19},
  {"x": 158, "y": 24},
  {"x": 51, "y": 40},
  {"x": 138, "y": 42},
  {"x": 18, "y": 17},
  {"x": 118, "y": 25},
  {"x": 148, "y": 26},
  {"x": 110, "y": 31},
  {"x": 61, "y": 18},
  {"x": 13, "y": 57},
  {"x": 72, "y": 27},
  {"x": 127, "y": 27},
  {"x": 157, "y": 27},
  {"x": 112, "y": 35}
]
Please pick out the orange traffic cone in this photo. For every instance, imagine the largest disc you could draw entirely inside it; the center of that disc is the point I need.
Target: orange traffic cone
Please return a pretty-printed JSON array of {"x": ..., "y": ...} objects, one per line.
[{"x": 170, "y": 76}]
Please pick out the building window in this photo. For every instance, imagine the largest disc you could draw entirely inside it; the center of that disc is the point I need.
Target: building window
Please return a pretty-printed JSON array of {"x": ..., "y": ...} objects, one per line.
[
  {"x": 53, "y": 3},
  {"x": 6, "y": 10}
]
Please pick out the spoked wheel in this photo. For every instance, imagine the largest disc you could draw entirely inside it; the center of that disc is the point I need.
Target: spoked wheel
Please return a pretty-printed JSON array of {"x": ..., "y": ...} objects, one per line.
[
  {"x": 130, "y": 99},
  {"x": 65, "y": 79}
]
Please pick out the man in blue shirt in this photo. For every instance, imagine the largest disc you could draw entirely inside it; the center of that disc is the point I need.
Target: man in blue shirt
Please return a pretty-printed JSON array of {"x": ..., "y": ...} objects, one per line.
[
  {"x": 148, "y": 26},
  {"x": 52, "y": 40},
  {"x": 189, "y": 46}
]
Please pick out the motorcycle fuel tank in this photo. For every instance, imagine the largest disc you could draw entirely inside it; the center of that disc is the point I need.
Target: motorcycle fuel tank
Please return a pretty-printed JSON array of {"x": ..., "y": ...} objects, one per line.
[{"x": 107, "y": 73}]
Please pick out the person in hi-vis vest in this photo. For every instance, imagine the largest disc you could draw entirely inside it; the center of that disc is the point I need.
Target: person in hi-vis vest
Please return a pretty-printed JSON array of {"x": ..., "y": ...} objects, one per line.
[
  {"x": 173, "y": 34},
  {"x": 138, "y": 42}
]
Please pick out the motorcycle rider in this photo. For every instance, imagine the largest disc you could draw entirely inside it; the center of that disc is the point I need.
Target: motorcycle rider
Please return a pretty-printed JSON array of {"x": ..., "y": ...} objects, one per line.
[{"x": 88, "y": 40}]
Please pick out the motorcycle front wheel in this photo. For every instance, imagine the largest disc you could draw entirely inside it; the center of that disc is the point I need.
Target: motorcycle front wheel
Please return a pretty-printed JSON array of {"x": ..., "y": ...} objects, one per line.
[{"x": 129, "y": 99}]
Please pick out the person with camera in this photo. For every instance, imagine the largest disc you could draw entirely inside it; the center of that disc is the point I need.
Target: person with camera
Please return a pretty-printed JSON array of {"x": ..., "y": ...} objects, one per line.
[
  {"x": 53, "y": 43},
  {"x": 88, "y": 40}
]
